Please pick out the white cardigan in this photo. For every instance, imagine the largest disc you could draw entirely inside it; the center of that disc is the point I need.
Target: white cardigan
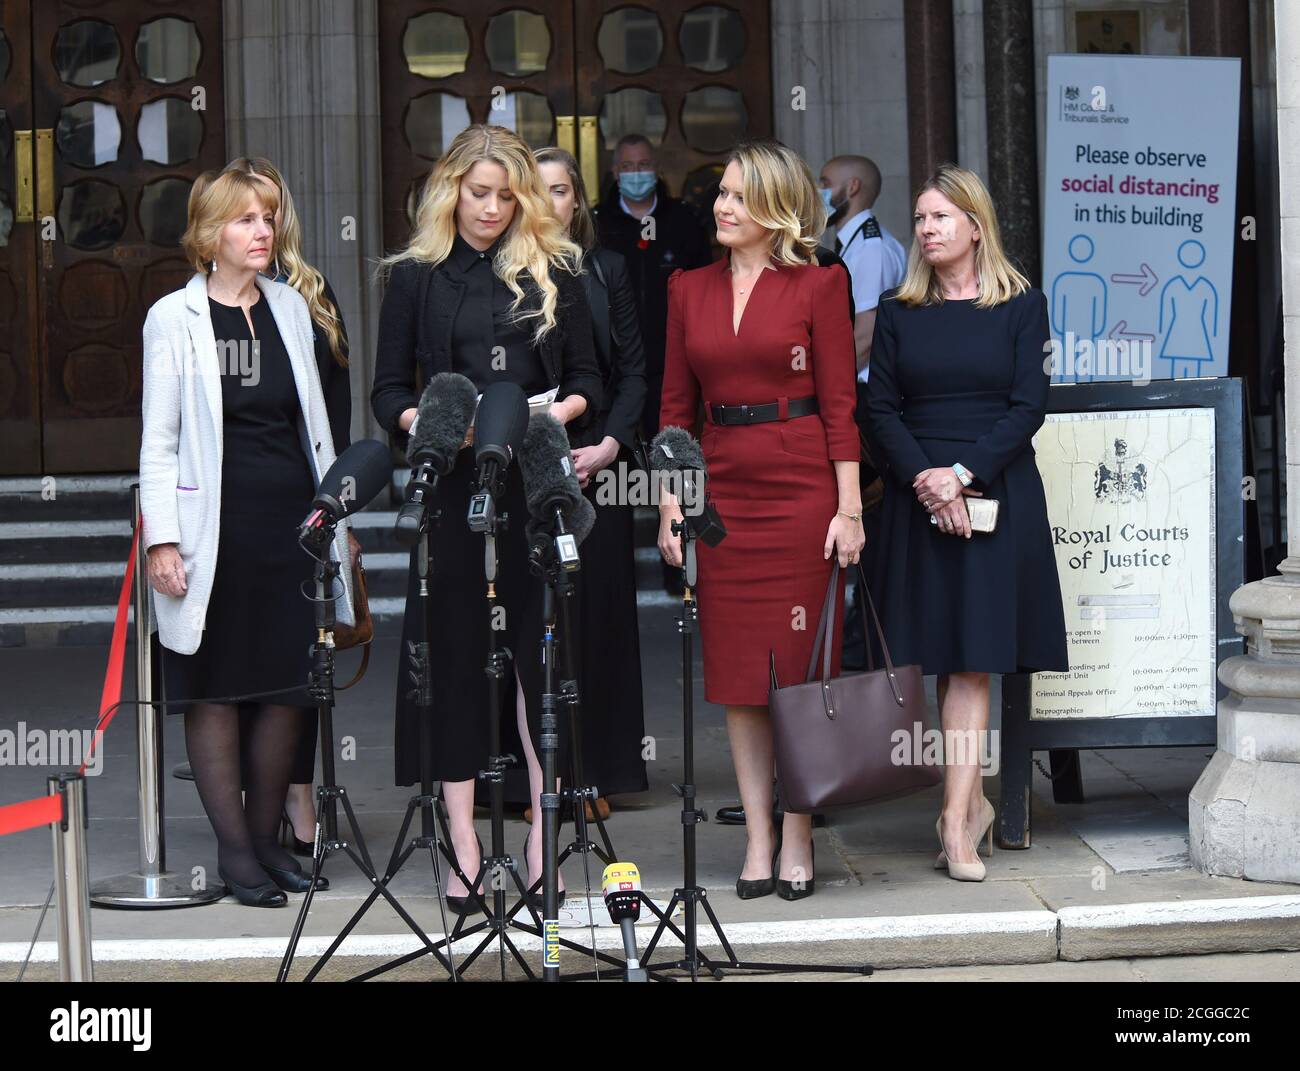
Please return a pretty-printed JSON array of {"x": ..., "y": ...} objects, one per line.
[{"x": 181, "y": 444}]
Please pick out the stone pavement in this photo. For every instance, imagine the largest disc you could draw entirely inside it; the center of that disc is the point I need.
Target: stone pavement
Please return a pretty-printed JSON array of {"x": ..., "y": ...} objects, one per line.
[{"x": 1107, "y": 879}]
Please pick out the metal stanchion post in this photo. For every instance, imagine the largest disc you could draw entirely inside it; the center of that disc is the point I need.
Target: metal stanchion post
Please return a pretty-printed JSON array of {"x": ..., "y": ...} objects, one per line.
[
  {"x": 151, "y": 885},
  {"x": 70, "y": 871}
]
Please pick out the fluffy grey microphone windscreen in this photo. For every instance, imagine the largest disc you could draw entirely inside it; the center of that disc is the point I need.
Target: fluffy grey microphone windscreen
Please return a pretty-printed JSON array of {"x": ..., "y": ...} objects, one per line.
[
  {"x": 446, "y": 411},
  {"x": 675, "y": 450},
  {"x": 547, "y": 467}
]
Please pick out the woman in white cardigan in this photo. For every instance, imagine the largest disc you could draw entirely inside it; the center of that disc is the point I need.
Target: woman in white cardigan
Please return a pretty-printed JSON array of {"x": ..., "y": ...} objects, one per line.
[{"x": 235, "y": 440}]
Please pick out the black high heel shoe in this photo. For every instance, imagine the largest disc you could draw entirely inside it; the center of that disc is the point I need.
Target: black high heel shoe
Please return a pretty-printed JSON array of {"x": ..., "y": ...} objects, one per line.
[
  {"x": 798, "y": 890},
  {"x": 264, "y": 895},
  {"x": 461, "y": 904},
  {"x": 753, "y": 888},
  {"x": 289, "y": 838},
  {"x": 294, "y": 880}
]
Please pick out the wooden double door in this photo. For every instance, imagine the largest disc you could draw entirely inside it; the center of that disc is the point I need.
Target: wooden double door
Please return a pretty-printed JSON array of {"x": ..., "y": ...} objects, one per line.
[
  {"x": 693, "y": 77},
  {"x": 108, "y": 111}
]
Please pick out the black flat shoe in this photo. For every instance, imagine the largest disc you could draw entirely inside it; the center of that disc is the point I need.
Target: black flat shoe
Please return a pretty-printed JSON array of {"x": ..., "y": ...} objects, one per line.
[
  {"x": 790, "y": 890},
  {"x": 295, "y": 880},
  {"x": 265, "y": 895},
  {"x": 289, "y": 838}
]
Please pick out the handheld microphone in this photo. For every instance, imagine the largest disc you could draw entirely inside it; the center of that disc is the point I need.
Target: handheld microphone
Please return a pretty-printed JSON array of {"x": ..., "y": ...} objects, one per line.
[
  {"x": 352, "y": 482},
  {"x": 674, "y": 450},
  {"x": 558, "y": 510},
  {"x": 445, "y": 412},
  {"x": 621, "y": 886},
  {"x": 499, "y": 427}
]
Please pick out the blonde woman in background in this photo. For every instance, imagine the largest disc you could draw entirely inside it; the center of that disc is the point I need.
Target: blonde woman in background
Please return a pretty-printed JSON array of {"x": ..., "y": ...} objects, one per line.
[
  {"x": 609, "y": 647},
  {"x": 957, "y": 390},
  {"x": 489, "y": 273},
  {"x": 330, "y": 342}
]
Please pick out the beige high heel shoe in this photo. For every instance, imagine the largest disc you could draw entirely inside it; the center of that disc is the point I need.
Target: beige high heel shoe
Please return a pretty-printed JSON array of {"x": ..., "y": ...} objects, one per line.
[
  {"x": 961, "y": 871},
  {"x": 982, "y": 839}
]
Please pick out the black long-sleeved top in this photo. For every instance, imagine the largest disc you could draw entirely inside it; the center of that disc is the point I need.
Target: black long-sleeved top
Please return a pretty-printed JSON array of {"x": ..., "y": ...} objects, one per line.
[
  {"x": 417, "y": 325},
  {"x": 618, "y": 348},
  {"x": 335, "y": 378},
  {"x": 488, "y": 342}
]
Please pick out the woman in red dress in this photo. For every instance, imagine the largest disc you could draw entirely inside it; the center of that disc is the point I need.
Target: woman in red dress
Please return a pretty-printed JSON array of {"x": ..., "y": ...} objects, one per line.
[{"x": 777, "y": 383}]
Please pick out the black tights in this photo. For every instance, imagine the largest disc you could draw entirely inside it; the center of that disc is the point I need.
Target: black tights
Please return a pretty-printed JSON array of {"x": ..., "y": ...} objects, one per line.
[{"x": 245, "y": 828}]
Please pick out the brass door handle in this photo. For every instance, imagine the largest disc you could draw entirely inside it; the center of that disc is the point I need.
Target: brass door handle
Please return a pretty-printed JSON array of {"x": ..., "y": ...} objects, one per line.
[
  {"x": 24, "y": 193},
  {"x": 565, "y": 137},
  {"x": 45, "y": 172},
  {"x": 34, "y": 174},
  {"x": 589, "y": 155}
]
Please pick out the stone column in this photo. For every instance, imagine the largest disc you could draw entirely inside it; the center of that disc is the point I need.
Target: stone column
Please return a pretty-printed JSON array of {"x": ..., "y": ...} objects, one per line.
[
  {"x": 1244, "y": 811},
  {"x": 931, "y": 87},
  {"x": 302, "y": 89},
  {"x": 1013, "y": 129}
]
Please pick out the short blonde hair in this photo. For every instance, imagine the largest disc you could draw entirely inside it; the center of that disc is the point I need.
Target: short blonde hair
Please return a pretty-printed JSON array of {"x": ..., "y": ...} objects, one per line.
[
  {"x": 220, "y": 201},
  {"x": 782, "y": 197},
  {"x": 999, "y": 280}
]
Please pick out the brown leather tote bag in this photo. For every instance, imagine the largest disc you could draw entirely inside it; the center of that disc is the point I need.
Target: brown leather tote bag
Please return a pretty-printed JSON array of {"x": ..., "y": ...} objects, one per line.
[{"x": 835, "y": 738}]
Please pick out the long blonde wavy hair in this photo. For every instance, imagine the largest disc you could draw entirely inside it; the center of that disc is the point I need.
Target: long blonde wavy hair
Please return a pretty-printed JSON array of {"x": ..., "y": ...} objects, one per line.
[
  {"x": 999, "y": 280},
  {"x": 533, "y": 243},
  {"x": 289, "y": 261},
  {"x": 781, "y": 196}
]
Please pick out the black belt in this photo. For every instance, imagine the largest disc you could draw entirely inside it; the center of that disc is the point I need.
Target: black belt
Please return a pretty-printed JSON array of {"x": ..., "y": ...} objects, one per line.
[{"x": 761, "y": 414}]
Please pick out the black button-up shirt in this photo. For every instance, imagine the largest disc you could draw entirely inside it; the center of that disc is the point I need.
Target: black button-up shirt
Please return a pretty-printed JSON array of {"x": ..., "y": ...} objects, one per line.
[{"x": 487, "y": 344}]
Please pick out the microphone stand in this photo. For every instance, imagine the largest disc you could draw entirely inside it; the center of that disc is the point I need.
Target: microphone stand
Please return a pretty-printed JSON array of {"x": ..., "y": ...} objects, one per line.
[
  {"x": 691, "y": 894},
  {"x": 497, "y": 920},
  {"x": 558, "y": 590},
  {"x": 329, "y": 794}
]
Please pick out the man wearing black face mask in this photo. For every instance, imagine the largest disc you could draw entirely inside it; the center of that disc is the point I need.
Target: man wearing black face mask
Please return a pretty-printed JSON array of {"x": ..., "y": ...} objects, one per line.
[{"x": 656, "y": 234}]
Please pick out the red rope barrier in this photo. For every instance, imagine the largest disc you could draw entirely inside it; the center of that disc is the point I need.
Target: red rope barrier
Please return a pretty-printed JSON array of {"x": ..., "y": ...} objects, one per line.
[
  {"x": 116, "y": 655},
  {"x": 42, "y": 811}
]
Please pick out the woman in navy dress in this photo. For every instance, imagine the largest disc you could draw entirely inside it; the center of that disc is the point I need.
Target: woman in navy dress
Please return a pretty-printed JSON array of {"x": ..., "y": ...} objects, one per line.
[{"x": 958, "y": 388}]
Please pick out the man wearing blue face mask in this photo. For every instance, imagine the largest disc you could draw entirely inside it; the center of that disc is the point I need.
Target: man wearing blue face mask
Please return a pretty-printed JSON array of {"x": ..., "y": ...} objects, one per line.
[
  {"x": 875, "y": 259},
  {"x": 656, "y": 234}
]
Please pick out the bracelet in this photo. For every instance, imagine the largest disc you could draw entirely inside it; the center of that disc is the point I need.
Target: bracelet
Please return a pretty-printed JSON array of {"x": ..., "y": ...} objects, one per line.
[{"x": 850, "y": 516}]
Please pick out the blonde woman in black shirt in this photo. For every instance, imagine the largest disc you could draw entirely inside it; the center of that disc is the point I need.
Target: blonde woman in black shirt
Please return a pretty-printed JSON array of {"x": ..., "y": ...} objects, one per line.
[{"x": 489, "y": 283}]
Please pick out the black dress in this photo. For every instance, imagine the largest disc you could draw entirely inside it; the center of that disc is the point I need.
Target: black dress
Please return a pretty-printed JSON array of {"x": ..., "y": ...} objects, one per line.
[
  {"x": 259, "y": 625},
  {"x": 485, "y": 343},
  {"x": 954, "y": 383},
  {"x": 609, "y": 648}
]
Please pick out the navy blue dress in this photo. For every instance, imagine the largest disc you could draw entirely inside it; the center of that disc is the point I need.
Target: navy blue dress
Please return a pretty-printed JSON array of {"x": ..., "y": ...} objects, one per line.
[{"x": 951, "y": 382}]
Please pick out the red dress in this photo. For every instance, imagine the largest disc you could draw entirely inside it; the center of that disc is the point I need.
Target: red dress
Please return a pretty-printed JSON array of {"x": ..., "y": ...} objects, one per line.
[{"x": 763, "y": 586}]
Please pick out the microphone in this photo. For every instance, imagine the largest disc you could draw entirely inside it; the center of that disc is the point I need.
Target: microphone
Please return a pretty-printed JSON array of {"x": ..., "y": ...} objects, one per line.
[
  {"x": 352, "y": 482},
  {"x": 499, "y": 427},
  {"x": 445, "y": 412},
  {"x": 556, "y": 505},
  {"x": 621, "y": 886},
  {"x": 675, "y": 450}
]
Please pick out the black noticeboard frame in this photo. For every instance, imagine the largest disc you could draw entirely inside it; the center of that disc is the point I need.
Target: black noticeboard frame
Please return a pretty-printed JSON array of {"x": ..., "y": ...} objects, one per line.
[{"x": 1020, "y": 736}]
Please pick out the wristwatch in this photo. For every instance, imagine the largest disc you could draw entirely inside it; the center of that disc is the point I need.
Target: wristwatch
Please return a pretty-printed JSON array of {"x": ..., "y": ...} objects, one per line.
[{"x": 963, "y": 473}]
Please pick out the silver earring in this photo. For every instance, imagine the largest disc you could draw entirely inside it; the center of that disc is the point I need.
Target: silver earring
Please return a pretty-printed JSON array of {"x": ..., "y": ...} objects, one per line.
[{"x": 214, "y": 263}]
